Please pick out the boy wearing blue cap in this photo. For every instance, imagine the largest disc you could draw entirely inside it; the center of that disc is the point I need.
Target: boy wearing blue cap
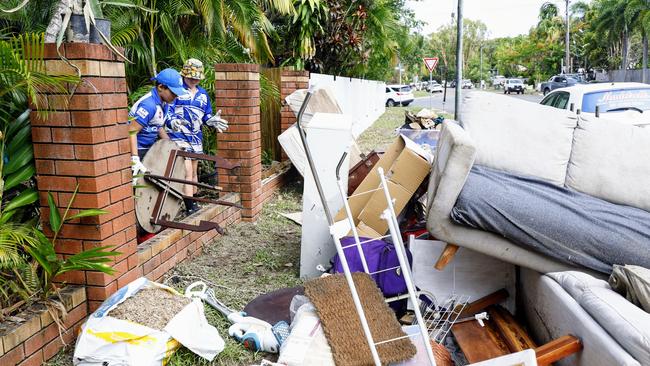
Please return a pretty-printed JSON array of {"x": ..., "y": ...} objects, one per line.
[
  {"x": 150, "y": 113},
  {"x": 195, "y": 110}
]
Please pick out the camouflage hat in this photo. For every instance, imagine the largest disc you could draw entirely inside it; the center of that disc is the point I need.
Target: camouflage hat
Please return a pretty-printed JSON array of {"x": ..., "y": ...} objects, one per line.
[{"x": 193, "y": 69}]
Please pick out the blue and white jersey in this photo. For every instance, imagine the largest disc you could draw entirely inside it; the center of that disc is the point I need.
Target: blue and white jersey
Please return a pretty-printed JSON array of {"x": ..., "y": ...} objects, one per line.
[
  {"x": 150, "y": 112},
  {"x": 196, "y": 109}
]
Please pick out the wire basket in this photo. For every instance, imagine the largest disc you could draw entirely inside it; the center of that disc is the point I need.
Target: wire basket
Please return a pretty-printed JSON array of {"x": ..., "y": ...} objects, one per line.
[{"x": 439, "y": 317}]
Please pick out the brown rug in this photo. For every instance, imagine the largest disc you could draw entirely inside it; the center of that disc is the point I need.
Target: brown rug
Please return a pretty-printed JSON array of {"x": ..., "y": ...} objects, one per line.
[{"x": 333, "y": 301}]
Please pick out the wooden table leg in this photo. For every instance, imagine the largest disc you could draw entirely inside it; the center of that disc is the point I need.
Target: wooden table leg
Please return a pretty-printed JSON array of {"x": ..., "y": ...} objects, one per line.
[{"x": 446, "y": 256}]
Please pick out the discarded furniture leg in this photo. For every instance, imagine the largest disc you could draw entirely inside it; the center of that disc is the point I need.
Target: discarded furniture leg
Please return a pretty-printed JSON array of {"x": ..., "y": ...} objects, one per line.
[
  {"x": 557, "y": 349},
  {"x": 446, "y": 256}
]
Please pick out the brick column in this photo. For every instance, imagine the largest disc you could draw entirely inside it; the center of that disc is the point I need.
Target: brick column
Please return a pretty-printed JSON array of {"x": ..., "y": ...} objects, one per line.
[
  {"x": 84, "y": 141},
  {"x": 290, "y": 81},
  {"x": 238, "y": 96}
]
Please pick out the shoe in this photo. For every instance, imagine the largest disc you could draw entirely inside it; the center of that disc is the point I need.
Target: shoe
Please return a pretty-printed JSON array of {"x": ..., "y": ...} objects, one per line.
[{"x": 191, "y": 206}]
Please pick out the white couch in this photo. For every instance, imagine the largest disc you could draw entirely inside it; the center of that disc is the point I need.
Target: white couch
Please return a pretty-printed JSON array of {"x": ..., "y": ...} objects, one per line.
[{"x": 605, "y": 159}]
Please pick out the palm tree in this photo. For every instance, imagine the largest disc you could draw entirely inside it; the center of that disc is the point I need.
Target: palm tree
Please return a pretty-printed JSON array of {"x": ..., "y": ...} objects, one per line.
[
  {"x": 612, "y": 22},
  {"x": 637, "y": 14},
  {"x": 550, "y": 23}
]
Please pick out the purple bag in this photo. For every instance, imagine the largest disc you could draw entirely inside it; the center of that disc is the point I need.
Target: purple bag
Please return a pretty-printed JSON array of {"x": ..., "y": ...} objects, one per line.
[{"x": 379, "y": 255}]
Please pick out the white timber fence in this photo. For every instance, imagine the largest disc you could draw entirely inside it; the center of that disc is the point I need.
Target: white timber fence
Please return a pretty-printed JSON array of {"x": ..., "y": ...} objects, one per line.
[{"x": 363, "y": 100}]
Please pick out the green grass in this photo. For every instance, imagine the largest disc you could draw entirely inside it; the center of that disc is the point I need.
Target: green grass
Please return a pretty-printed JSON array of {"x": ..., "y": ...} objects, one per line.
[
  {"x": 382, "y": 132},
  {"x": 421, "y": 93}
]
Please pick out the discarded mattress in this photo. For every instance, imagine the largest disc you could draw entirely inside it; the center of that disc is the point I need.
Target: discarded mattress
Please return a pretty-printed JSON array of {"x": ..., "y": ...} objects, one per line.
[{"x": 570, "y": 226}]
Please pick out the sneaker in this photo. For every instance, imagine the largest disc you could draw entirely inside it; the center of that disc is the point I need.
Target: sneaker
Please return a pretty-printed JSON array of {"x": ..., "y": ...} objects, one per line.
[{"x": 191, "y": 206}]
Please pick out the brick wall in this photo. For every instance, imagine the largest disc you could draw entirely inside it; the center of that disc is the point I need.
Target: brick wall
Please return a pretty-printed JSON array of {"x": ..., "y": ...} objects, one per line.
[
  {"x": 84, "y": 142},
  {"x": 290, "y": 81},
  {"x": 237, "y": 95},
  {"x": 36, "y": 340}
]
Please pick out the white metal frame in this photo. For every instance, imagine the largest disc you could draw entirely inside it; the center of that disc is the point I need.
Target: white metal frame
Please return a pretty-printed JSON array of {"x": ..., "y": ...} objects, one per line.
[{"x": 342, "y": 228}]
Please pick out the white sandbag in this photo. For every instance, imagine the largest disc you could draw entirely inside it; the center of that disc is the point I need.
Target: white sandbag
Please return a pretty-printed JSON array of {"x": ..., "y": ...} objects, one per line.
[{"x": 108, "y": 340}]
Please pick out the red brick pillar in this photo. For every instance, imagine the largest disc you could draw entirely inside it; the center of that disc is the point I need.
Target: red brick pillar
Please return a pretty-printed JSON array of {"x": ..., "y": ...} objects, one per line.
[
  {"x": 290, "y": 81},
  {"x": 237, "y": 89},
  {"x": 84, "y": 141}
]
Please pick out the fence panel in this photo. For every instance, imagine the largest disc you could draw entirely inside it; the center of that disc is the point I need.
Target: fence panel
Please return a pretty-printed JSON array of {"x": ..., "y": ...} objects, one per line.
[
  {"x": 364, "y": 100},
  {"x": 628, "y": 75}
]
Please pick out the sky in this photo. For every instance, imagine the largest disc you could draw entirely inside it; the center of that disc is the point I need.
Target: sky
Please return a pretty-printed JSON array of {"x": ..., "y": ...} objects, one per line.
[{"x": 503, "y": 18}]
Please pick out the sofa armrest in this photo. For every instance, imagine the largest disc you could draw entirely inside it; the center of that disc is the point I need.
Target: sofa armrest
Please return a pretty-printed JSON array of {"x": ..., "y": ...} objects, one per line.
[{"x": 453, "y": 160}]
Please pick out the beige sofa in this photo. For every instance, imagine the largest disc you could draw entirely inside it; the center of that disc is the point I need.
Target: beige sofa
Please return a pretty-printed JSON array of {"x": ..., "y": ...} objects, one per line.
[{"x": 605, "y": 159}]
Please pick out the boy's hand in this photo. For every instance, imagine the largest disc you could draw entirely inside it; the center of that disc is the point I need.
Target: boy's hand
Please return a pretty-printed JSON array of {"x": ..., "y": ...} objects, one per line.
[
  {"x": 137, "y": 168},
  {"x": 177, "y": 123},
  {"x": 217, "y": 122}
]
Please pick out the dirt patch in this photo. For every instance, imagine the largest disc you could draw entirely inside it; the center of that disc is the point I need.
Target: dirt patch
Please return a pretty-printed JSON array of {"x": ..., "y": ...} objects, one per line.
[{"x": 151, "y": 307}]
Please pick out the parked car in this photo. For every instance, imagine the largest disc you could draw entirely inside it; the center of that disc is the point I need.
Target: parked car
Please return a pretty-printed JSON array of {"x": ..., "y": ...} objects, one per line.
[
  {"x": 398, "y": 95},
  {"x": 514, "y": 85},
  {"x": 467, "y": 84},
  {"x": 557, "y": 82},
  {"x": 434, "y": 87},
  {"x": 621, "y": 101},
  {"x": 498, "y": 81}
]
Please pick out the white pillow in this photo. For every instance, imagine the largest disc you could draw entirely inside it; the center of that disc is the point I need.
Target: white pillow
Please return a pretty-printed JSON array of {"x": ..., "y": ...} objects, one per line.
[
  {"x": 611, "y": 160},
  {"x": 518, "y": 136}
]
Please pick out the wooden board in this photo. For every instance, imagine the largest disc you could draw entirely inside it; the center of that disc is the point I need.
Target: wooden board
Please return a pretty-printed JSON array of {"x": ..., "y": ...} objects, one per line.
[
  {"x": 479, "y": 343},
  {"x": 156, "y": 162},
  {"x": 511, "y": 332}
]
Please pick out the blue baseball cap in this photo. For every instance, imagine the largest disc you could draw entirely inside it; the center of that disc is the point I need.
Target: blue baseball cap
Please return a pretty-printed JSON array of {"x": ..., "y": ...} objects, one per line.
[{"x": 171, "y": 79}]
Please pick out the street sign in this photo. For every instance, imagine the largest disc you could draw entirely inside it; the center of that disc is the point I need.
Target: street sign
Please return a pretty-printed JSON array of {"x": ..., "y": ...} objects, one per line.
[{"x": 431, "y": 63}]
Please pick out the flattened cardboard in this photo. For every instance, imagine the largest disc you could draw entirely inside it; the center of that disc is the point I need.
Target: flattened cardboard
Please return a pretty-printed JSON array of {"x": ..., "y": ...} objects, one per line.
[
  {"x": 366, "y": 231},
  {"x": 406, "y": 165},
  {"x": 371, "y": 214},
  {"x": 409, "y": 170}
]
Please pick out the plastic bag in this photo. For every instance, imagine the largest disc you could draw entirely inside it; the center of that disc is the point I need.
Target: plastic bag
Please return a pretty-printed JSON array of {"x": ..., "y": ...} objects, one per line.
[
  {"x": 108, "y": 340},
  {"x": 306, "y": 344}
]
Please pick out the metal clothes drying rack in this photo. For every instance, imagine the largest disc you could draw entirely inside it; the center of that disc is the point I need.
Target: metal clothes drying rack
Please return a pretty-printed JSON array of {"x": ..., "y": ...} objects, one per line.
[{"x": 343, "y": 227}]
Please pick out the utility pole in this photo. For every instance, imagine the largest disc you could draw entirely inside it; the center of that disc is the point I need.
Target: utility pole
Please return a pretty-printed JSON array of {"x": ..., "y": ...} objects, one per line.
[
  {"x": 567, "y": 61},
  {"x": 459, "y": 60},
  {"x": 481, "y": 67}
]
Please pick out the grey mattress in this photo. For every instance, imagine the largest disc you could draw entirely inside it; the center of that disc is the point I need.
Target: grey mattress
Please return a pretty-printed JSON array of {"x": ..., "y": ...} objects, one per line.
[{"x": 573, "y": 227}]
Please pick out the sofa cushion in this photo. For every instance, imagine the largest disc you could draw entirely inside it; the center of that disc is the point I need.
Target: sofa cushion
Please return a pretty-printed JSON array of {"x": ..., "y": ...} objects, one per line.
[
  {"x": 575, "y": 282},
  {"x": 518, "y": 136},
  {"x": 609, "y": 160},
  {"x": 626, "y": 323}
]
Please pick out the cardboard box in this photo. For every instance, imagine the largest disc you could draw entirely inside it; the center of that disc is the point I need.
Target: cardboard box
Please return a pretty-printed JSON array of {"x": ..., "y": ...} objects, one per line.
[{"x": 405, "y": 165}]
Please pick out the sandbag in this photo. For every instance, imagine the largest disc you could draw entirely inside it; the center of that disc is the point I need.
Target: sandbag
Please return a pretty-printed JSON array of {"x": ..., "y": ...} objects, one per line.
[{"x": 106, "y": 340}]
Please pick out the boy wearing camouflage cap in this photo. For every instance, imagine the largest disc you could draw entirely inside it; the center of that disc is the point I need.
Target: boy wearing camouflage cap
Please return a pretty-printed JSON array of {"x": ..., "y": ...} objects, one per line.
[{"x": 194, "y": 109}]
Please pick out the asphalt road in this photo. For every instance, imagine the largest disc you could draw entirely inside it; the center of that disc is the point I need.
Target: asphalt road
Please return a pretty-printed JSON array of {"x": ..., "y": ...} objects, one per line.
[{"x": 435, "y": 100}]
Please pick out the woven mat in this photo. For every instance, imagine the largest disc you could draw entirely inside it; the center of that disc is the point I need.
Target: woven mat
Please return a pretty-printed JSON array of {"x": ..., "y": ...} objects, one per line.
[{"x": 333, "y": 301}]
